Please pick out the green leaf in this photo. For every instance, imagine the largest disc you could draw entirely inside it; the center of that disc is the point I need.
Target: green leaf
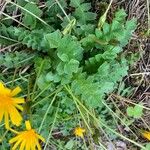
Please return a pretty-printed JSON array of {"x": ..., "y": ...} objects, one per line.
[
  {"x": 82, "y": 13},
  {"x": 120, "y": 15},
  {"x": 135, "y": 112},
  {"x": 71, "y": 67},
  {"x": 118, "y": 32},
  {"x": 53, "y": 39},
  {"x": 53, "y": 6},
  {"x": 49, "y": 77},
  {"x": 88, "y": 90},
  {"x": 88, "y": 42},
  {"x": 52, "y": 77},
  {"x": 106, "y": 28},
  {"x": 60, "y": 68},
  {"x": 130, "y": 111},
  {"x": 131, "y": 24},
  {"x": 64, "y": 57},
  {"x": 21, "y": 2},
  {"x": 138, "y": 111},
  {"x": 28, "y": 19},
  {"x": 69, "y": 52},
  {"x": 148, "y": 146},
  {"x": 33, "y": 8},
  {"x": 70, "y": 144},
  {"x": 129, "y": 28},
  {"x": 41, "y": 82},
  {"x": 86, "y": 29},
  {"x": 70, "y": 47}
]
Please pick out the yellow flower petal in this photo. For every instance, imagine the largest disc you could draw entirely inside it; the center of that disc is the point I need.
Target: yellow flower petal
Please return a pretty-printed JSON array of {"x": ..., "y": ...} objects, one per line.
[
  {"x": 16, "y": 145},
  {"x": 4, "y": 90},
  {"x": 6, "y": 117},
  {"x": 18, "y": 100},
  {"x": 22, "y": 146},
  {"x": 41, "y": 138},
  {"x": 15, "y": 116},
  {"x": 1, "y": 85},
  {"x": 9, "y": 106},
  {"x": 15, "y": 91},
  {"x": 13, "y": 140},
  {"x": 27, "y": 146},
  {"x": 1, "y": 114},
  {"x": 19, "y": 107},
  {"x": 28, "y": 125},
  {"x": 38, "y": 146},
  {"x": 33, "y": 147},
  {"x": 79, "y": 131},
  {"x": 27, "y": 140},
  {"x": 146, "y": 134}
]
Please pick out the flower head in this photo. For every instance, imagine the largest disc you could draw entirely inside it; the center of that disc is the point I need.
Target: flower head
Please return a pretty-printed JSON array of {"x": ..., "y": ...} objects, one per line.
[
  {"x": 146, "y": 134},
  {"x": 9, "y": 105},
  {"x": 28, "y": 139},
  {"x": 79, "y": 131}
]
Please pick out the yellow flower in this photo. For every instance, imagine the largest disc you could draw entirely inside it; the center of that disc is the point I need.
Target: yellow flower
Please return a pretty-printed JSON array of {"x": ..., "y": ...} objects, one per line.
[
  {"x": 146, "y": 134},
  {"x": 9, "y": 105},
  {"x": 79, "y": 131},
  {"x": 27, "y": 140}
]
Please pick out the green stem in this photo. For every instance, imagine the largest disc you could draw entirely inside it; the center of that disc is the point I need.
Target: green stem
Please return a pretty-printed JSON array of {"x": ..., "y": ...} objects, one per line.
[
  {"x": 63, "y": 10},
  {"x": 3, "y": 136},
  {"x": 39, "y": 72},
  {"x": 15, "y": 72},
  {"x": 45, "y": 115},
  {"x": 9, "y": 39},
  {"x": 108, "y": 7},
  {"x": 84, "y": 119},
  {"x": 18, "y": 79},
  {"x": 38, "y": 102},
  {"x": 41, "y": 92},
  {"x": 50, "y": 133}
]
